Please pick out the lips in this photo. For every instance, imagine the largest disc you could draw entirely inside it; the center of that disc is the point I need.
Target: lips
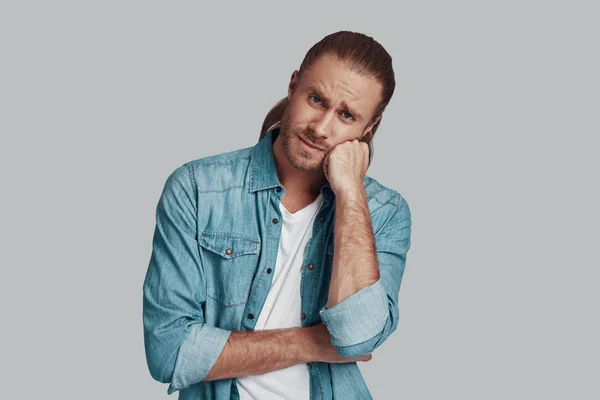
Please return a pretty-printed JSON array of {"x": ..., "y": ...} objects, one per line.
[{"x": 310, "y": 144}]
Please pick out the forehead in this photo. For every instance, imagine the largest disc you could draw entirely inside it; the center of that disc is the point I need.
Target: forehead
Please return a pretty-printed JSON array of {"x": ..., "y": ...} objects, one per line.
[{"x": 336, "y": 81}]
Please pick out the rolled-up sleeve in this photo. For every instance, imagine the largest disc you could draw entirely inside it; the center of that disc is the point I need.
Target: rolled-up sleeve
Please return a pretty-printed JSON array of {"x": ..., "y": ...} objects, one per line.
[
  {"x": 180, "y": 348},
  {"x": 363, "y": 321}
]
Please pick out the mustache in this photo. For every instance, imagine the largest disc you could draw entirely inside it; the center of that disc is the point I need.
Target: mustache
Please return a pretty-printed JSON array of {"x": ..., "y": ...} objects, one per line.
[{"x": 307, "y": 137}]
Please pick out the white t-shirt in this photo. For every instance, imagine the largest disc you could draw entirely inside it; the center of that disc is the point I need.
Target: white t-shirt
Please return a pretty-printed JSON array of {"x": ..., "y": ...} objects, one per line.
[{"x": 282, "y": 308}]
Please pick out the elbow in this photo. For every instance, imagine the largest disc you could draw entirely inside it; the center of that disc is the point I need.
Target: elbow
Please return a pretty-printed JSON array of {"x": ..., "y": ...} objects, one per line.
[
  {"x": 368, "y": 346},
  {"x": 160, "y": 363},
  {"x": 160, "y": 373},
  {"x": 360, "y": 349}
]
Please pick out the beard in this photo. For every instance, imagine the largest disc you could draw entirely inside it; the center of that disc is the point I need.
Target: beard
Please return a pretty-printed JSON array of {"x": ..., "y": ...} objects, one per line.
[{"x": 299, "y": 157}]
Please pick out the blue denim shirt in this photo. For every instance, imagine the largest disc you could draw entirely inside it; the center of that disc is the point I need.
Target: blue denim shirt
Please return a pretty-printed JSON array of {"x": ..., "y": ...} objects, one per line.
[{"x": 214, "y": 247}]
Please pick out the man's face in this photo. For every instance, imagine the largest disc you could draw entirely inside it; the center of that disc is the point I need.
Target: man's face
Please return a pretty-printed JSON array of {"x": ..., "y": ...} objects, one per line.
[{"x": 329, "y": 105}]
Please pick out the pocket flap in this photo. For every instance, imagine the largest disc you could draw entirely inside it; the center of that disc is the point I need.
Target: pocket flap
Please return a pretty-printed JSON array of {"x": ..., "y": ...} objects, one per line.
[{"x": 229, "y": 244}]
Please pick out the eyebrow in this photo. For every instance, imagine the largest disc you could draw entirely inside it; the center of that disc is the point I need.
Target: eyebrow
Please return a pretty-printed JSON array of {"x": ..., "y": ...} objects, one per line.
[{"x": 346, "y": 106}]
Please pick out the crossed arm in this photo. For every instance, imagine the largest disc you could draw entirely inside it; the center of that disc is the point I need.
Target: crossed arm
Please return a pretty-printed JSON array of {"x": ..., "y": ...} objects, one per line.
[{"x": 181, "y": 349}]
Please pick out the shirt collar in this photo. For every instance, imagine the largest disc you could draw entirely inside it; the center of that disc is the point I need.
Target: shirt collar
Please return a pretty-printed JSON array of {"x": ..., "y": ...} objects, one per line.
[{"x": 263, "y": 174}]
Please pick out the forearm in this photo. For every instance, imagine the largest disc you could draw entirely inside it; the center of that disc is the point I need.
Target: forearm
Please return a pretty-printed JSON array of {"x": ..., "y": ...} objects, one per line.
[
  {"x": 355, "y": 260},
  {"x": 362, "y": 308},
  {"x": 258, "y": 352}
]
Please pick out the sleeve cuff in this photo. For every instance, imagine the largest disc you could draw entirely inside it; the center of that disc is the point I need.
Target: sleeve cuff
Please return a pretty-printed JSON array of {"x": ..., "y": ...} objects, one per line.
[
  {"x": 197, "y": 355},
  {"x": 357, "y": 318}
]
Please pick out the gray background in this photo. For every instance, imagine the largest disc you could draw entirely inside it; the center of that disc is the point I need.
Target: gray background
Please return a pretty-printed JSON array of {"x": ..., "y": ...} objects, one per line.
[{"x": 488, "y": 136}]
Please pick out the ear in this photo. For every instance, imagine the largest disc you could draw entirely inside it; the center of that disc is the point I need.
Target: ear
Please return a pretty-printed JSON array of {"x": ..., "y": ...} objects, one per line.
[
  {"x": 292, "y": 84},
  {"x": 370, "y": 126}
]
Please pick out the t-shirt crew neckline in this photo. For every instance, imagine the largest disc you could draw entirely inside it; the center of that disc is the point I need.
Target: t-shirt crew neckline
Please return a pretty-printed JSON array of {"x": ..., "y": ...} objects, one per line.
[{"x": 307, "y": 211}]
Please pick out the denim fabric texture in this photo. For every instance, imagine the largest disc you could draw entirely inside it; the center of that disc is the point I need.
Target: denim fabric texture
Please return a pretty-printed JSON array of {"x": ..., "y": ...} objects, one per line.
[{"x": 218, "y": 225}]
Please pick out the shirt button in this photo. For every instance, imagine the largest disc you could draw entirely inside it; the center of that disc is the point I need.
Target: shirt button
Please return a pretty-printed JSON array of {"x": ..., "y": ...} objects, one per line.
[
  {"x": 303, "y": 316},
  {"x": 269, "y": 270},
  {"x": 278, "y": 189},
  {"x": 228, "y": 251},
  {"x": 275, "y": 220},
  {"x": 250, "y": 316},
  {"x": 309, "y": 366},
  {"x": 321, "y": 218},
  {"x": 310, "y": 266}
]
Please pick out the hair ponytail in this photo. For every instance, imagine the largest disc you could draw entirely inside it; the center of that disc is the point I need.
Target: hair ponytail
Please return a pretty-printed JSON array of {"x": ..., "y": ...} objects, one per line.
[{"x": 273, "y": 118}]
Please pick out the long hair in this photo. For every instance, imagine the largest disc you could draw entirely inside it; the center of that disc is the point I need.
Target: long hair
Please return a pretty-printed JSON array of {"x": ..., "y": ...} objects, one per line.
[{"x": 362, "y": 54}]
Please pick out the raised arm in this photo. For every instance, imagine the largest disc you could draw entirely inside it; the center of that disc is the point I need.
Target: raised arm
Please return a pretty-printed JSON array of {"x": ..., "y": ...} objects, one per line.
[{"x": 362, "y": 308}]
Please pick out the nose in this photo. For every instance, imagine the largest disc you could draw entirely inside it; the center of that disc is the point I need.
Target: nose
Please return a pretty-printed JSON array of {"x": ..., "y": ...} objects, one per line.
[{"x": 321, "y": 124}]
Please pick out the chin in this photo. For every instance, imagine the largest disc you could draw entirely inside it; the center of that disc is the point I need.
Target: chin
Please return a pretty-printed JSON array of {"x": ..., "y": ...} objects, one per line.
[
  {"x": 299, "y": 158},
  {"x": 305, "y": 164}
]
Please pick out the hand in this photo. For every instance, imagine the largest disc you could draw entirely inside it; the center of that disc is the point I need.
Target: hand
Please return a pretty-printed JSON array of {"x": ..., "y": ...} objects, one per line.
[
  {"x": 325, "y": 351},
  {"x": 346, "y": 164}
]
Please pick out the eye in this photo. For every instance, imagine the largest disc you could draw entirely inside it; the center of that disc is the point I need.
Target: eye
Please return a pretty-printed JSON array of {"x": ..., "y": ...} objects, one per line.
[
  {"x": 350, "y": 117},
  {"x": 315, "y": 97}
]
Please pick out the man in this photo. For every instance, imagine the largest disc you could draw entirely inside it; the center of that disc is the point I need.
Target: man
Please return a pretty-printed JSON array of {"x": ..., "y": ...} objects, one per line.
[{"x": 275, "y": 268}]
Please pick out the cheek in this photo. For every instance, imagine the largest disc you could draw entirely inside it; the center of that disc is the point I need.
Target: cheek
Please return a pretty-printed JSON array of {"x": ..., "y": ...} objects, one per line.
[{"x": 301, "y": 113}]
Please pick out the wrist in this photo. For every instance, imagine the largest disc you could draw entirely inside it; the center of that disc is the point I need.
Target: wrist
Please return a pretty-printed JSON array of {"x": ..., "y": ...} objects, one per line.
[
  {"x": 308, "y": 349},
  {"x": 354, "y": 193}
]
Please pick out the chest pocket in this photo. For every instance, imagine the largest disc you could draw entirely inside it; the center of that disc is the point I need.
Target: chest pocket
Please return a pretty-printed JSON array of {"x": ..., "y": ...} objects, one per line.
[{"x": 230, "y": 260}]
